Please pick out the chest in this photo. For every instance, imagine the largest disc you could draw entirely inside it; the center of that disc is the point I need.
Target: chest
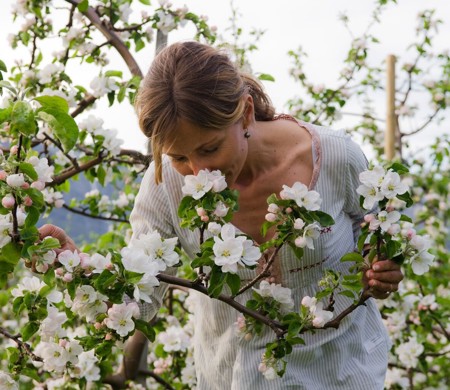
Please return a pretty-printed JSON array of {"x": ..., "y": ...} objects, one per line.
[{"x": 253, "y": 200}]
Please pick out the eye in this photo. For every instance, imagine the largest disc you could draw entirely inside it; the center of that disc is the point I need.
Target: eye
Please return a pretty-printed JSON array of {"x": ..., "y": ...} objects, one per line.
[
  {"x": 180, "y": 159},
  {"x": 210, "y": 150}
]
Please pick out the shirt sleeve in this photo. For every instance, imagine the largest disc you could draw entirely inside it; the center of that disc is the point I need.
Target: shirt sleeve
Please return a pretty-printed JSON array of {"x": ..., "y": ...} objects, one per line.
[
  {"x": 356, "y": 163},
  {"x": 151, "y": 212}
]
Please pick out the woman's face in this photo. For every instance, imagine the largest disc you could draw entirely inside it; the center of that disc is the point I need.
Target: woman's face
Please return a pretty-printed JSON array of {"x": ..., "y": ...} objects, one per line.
[{"x": 195, "y": 148}]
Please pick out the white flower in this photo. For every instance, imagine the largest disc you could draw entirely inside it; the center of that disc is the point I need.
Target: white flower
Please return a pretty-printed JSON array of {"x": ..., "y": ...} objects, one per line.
[
  {"x": 421, "y": 262},
  {"x": 124, "y": 12},
  {"x": 273, "y": 208},
  {"x": 87, "y": 364},
  {"x": 218, "y": 180},
  {"x": 387, "y": 219},
  {"x": 51, "y": 326},
  {"x": 55, "y": 357},
  {"x": 6, "y": 382},
  {"x": 98, "y": 263},
  {"x": 102, "y": 85},
  {"x": 87, "y": 302},
  {"x": 282, "y": 295},
  {"x": 15, "y": 180},
  {"x": 5, "y": 228},
  {"x": 31, "y": 284},
  {"x": 45, "y": 75},
  {"x": 299, "y": 224},
  {"x": 310, "y": 233},
  {"x": 91, "y": 124},
  {"x": 265, "y": 289},
  {"x": 174, "y": 338},
  {"x": 228, "y": 249},
  {"x": 299, "y": 192},
  {"x": 120, "y": 317},
  {"x": 44, "y": 171},
  {"x": 74, "y": 350},
  {"x": 409, "y": 352},
  {"x": 214, "y": 228},
  {"x": 392, "y": 185},
  {"x": 159, "y": 250},
  {"x": 221, "y": 209},
  {"x": 321, "y": 317},
  {"x": 166, "y": 22},
  {"x": 250, "y": 254},
  {"x": 371, "y": 194},
  {"x": 69, "y": 259},
  {"x": 137, "y": 260},
  {"x": 197, "y": 185},
  {"x": 270, "y": 374},
  {"x": 145, "y": 287}
]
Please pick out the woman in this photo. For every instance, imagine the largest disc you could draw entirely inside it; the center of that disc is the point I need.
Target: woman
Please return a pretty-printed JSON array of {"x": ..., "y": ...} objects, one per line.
[{"x": 201, "y": 112}]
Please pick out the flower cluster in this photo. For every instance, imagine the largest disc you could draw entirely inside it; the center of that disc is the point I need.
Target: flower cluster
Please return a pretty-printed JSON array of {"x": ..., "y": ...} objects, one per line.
[
  {"x": 282, "y": 295},
  {"x": 394, "y": 231},
  {"x": 297, "y": 215},
  {"x": 231, "y": 251},
  {"x": 317, "y": 314}
]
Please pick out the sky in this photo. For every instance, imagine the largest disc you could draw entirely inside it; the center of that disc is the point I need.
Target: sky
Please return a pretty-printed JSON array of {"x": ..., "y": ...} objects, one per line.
[{"x": 288, "y": 24}]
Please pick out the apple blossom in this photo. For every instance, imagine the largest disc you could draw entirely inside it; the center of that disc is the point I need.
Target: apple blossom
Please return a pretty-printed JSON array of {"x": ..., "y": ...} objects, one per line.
[
  {"x": 214, "y": 228},
  {"x": 120, "y": 317},
  {"x": 197, "y": 185},
  {"x": 270, "y": 217},
  {"x": 87, "y": 363},
  {"x": 409, "y": 352},
  {"x": 7, "y": 383},
  {"x": 69, "y": 259},
  {"x": 221, "y": 210},
  {"x": 15, "y": 180}
]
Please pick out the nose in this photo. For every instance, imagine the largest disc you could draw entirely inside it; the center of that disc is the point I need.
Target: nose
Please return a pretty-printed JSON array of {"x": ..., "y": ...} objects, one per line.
[{"x": 195, "y": 166}]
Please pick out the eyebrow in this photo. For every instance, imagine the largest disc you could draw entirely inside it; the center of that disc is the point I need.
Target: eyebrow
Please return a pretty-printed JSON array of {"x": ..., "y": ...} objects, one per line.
[{"x": 206, "y": 144}]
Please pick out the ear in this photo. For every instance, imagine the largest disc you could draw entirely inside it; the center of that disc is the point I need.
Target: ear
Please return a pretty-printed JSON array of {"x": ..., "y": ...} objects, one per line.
[{"x": 249, "y": 111}]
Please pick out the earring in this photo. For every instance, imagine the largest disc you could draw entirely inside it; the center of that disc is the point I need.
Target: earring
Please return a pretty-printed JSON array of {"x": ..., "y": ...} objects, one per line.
[{"x": 246, "y": 134}]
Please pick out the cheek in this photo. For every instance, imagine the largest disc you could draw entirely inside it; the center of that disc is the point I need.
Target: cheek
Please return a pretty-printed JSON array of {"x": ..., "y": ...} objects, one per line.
[{"x": 182, "y": 169}]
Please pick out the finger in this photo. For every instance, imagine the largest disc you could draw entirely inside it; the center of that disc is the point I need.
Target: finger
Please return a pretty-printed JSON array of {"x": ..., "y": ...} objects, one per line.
[
  {"x": 52, "y": 231},
  {"x": 386, "y": 277},
  {"x": 376, "y": 285},
  {"x": 385, "y": 265}
]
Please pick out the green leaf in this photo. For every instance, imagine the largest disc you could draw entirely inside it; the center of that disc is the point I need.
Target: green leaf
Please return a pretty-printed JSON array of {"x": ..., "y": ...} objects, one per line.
[
  {"x": 83, "y": 5},
  {"x": 353, "y": 256},
  {"x": 105, "y": 279},
  {"x": 10, "y": 253},
  {"x": 5, "y": 114},
  {"x": 101, "y": 174},
  {"x": 323, "y": 218},
  {"x": 399, "y": 168},
  {"x": 3, "y": 66},
  {"x": 29, "y": 330},
  {"x": 406, "y": 197},
  {"x": 405, "y": 218},
  {"x": 22, "y": 119},
  {"x": 234, "y": 282},
  {"x": 113, "y": 73},
  {"x": 63, "y": 125},
  {"x": 216, "y": 282},
  {"x": 104, "y": 349},
  {"x": 32, "y": 218},
  {"x": 29, "y": 170},
  {"x": 36, "y": 196},
  {"x": 7, "y": 85},
  {"x": 201, "y": 261},
  {"x": 266, "y": 77},
  {"x": 146, "y": 2},
  {"x": 297, "y": 251},
  {"x": 146, "y": 328},
  {"x": 54, "y": 103}
]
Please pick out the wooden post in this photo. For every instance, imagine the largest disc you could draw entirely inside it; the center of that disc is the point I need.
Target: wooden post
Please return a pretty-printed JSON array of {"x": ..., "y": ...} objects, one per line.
[{"x": 389, "y": 139}]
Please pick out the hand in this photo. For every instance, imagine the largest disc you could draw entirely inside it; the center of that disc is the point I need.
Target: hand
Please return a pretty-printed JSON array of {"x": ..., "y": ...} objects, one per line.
[
  {"x": 66, "y": 243},
  {"x": 383, "y": 278}
]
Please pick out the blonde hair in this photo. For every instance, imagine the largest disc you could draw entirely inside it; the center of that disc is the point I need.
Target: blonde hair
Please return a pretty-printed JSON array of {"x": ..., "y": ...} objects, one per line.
[{"x": 197, "y": 83}]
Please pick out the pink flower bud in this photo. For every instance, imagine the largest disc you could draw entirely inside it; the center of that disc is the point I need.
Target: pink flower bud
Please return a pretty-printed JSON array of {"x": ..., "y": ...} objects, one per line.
[
  {"x": 300, "y": 242},
  {"x": 271, "y": 217},
  {"x": 14, "y": 149},
  {"x": 98, "y": 325},
  {"x": 262, "y": 367},
  {"x": 39, "y": 185},
  {"x": 108, "y": 336},
  {"x": 8, "y": 201},
  {"x": 110, "y": 267},
  {"x": 410, "y": 233},
  {"x": 204, "y": 218},
  {"x": 25, "y": 186},
  {"x": 27, "y": 201},
  {"x": 3, "y": 175},
  {"x": 62, "y": 343},
  {"x": 201, "y": 212},
  {"x": 158, "y": 371},
  {"x": 369, "y": 217},
  {"x": 288, "y": 210},
  {"x": 273, "y": 208},
  {"x": 68, "y": 277},
  {"x": 59, "y": 272}
]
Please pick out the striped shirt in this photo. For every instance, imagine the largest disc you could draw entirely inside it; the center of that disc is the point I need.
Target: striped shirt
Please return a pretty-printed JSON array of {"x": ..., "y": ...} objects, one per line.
[{"x": 353, "y": 357}]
